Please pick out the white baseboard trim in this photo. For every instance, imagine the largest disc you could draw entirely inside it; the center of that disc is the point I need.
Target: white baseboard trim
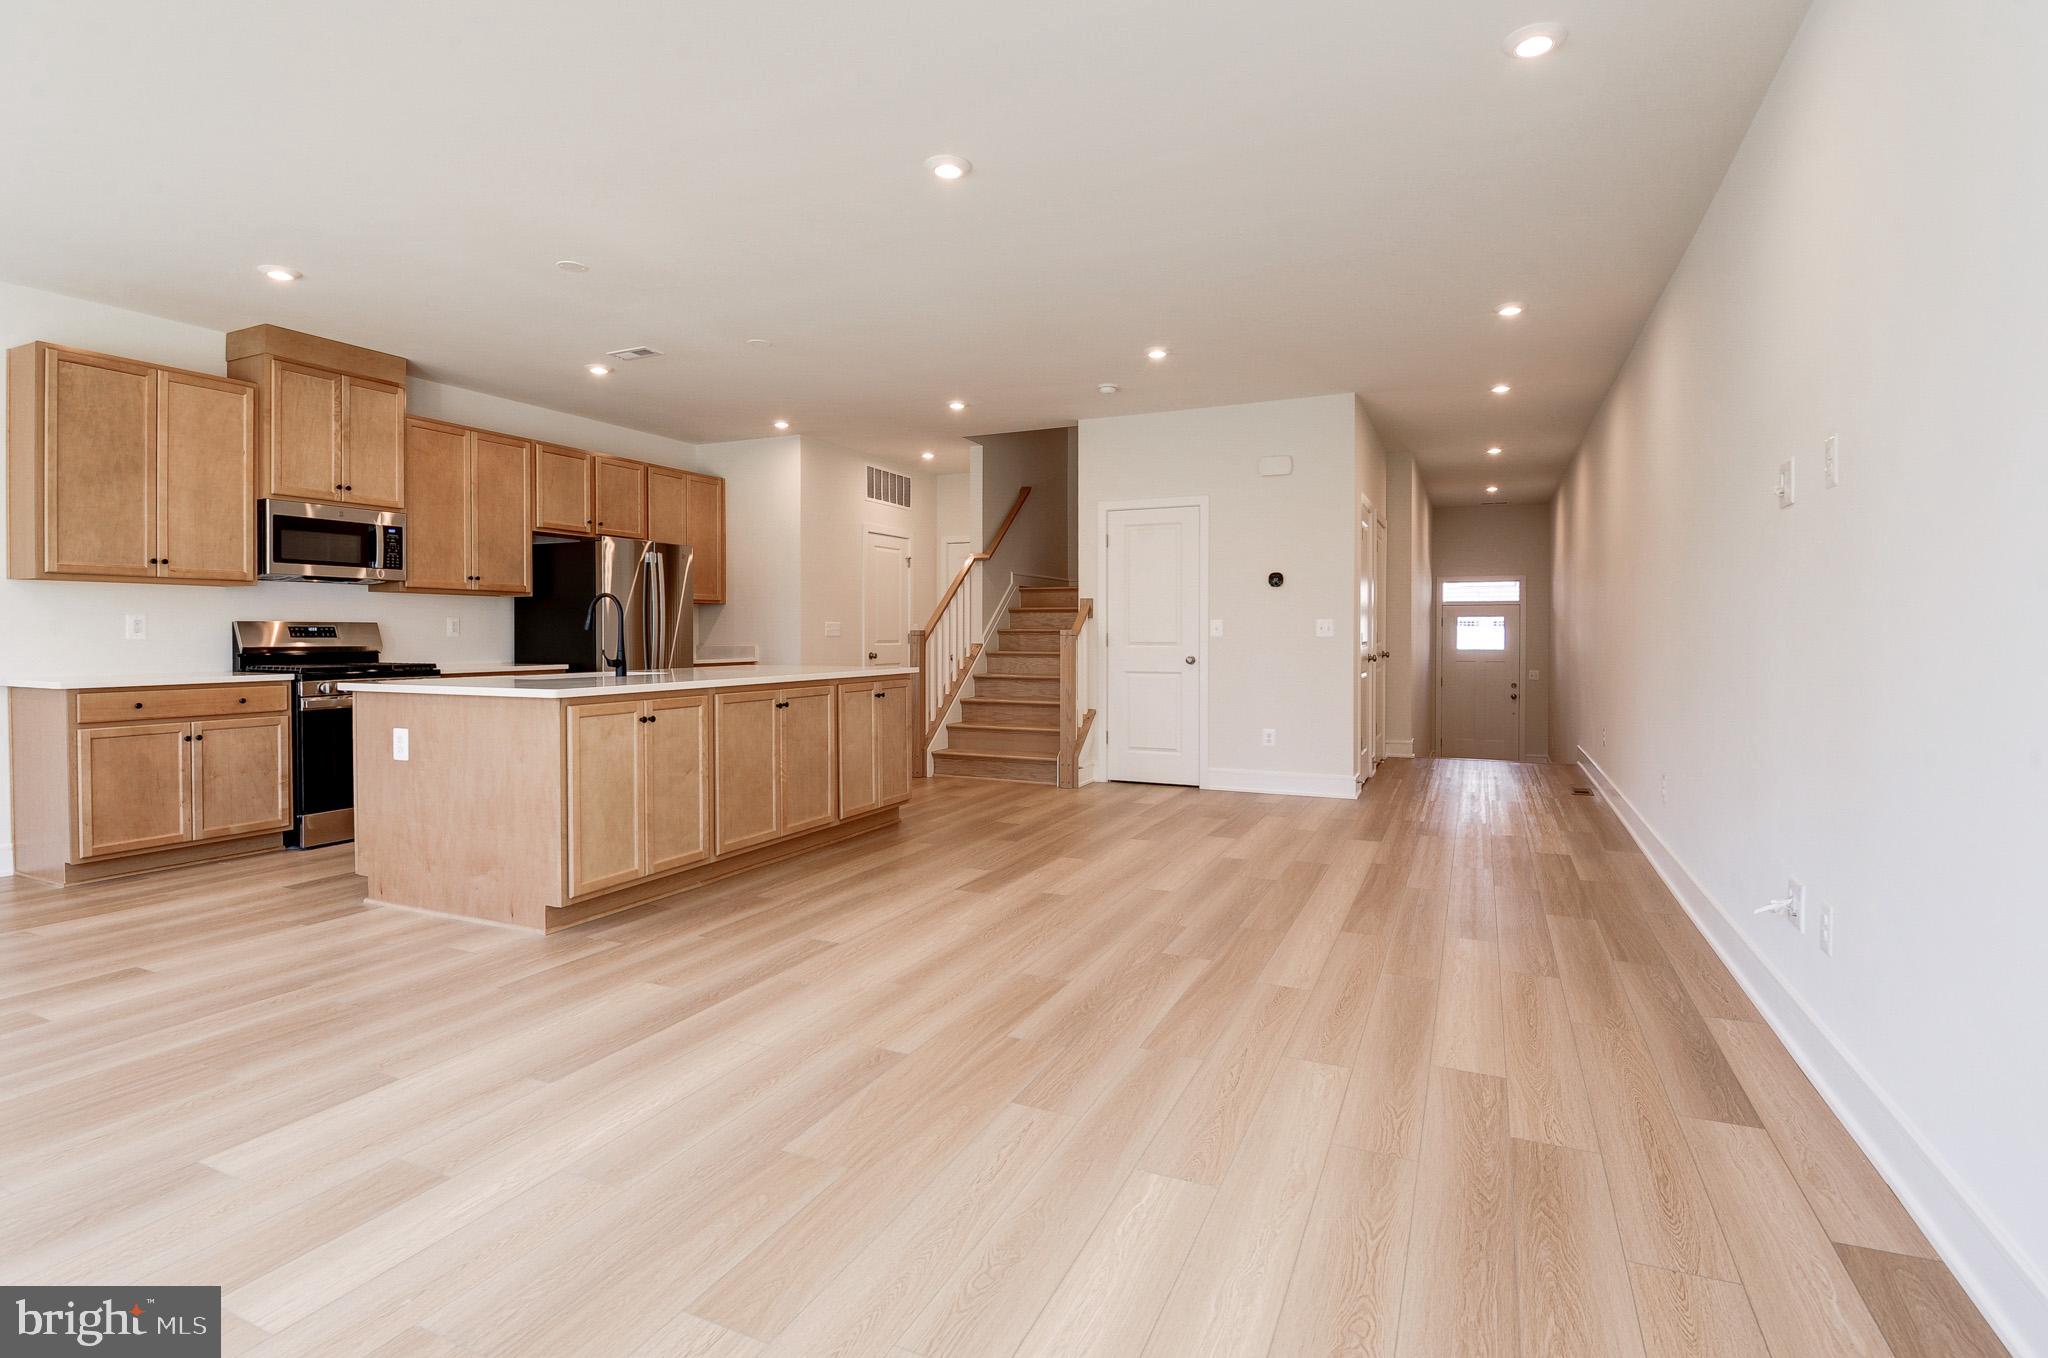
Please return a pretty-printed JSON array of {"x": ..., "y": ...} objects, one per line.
[
  {"x": 6, "y": 860},
  {"x": 2004, "y": 1284},
  {"x": 1399, "y": 749},
  {"x": 1343, "y": 785}
]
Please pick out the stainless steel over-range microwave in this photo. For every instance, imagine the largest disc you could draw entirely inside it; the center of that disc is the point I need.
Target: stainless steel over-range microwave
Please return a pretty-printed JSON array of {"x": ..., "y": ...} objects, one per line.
[{"x": 307, "y": 541}]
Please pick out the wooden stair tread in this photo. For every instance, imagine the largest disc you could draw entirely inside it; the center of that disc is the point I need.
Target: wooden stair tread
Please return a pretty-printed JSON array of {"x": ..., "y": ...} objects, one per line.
[
  {"x": 1025, "y": 758},
  {"x": 1017, "y": 702},
  {"x": 995, "y": 726}
]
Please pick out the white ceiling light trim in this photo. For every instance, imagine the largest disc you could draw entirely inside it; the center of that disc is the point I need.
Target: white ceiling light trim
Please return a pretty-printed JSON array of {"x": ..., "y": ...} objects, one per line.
[
  {"x": 1155, "y": 353},
  {"x": 278, "y": 273},
  {"x": 1501, "y": 389},
  {"x": 598, "y": 370},
  {"x": 1507, "y": 311},
  {"x": 950, "y": 167},
  {"x": 782, "y": 424},
  {"x": 956, "y": 406},
  {"x": 1533, "y": 40},
  {"x": 572, "y": 266}
]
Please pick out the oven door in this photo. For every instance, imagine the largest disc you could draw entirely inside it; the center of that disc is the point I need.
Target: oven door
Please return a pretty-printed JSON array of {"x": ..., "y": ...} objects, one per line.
[
  {"x": 323, "y": 771},
  {"x": 307, "y": 541}
]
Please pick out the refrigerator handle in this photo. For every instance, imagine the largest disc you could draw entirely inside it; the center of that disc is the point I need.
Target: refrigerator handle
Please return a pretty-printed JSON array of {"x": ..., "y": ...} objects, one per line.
[{"x": 657, "y": 611}]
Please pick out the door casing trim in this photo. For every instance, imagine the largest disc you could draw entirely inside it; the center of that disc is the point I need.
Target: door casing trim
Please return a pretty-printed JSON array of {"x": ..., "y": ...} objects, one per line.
[{"x": 1099, "y": 680}]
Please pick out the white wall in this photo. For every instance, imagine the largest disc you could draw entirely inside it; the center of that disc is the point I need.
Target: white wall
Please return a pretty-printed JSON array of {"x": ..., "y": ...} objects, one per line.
[
  {"x": 1269, "y": 668},
  {"x": 763, "y": 563},
  {"x": 62, "y": 627},
  {"x": 1040, "y": 542},
  {"x": 1849, "y": 691},
  {"x": 957, "y": 518},
  {"x": 836, "y": 515},
  {"x": 1505, "y": 542},
  {"x": 1410, "y": 712}
]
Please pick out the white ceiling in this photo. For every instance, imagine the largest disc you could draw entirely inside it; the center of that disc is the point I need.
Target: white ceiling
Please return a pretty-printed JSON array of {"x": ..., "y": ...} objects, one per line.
[{"x": 1296, "y": 199}]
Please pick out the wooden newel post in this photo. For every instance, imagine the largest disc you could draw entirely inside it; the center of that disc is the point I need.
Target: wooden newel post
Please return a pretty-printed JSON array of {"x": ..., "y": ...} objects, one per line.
[
  {"x": 1066, "y": 777},
  {"x": 919, "y": 741}
]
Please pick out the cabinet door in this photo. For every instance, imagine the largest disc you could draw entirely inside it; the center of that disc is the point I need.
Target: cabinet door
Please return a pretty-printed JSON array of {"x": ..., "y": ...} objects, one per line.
[
  {"x": 305, "y": 433},
  {"x": 561, "y": 490},
  {"x": 856, "y": 749},
  {"x": 501, "y": 508},
  {"x": 891, "y": 705},
  {"x": 744, "y": 725},
  {"x": 606, "y": 843},
  {"x": 707, "y": 536},
  {"x": 373, "y": 453},
  {"x": 806, "y": 759},
  {"x": 668, "y": 505},
  {"x": 99, "y": 468},
  {"x": 621, "y": 497},
  {"x": 206, "y": 478},
  {"x": 676, "y": 762},
  {"x": 134, "y": 787},
  {"x": 241, "y": 776},
  {"x": 437, "y": 520}
]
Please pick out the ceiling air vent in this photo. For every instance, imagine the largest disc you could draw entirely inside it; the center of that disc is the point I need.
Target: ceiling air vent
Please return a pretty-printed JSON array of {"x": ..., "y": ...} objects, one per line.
[
  {"x": 638, "y": 351},
  {"x": 889, "y": 488}
]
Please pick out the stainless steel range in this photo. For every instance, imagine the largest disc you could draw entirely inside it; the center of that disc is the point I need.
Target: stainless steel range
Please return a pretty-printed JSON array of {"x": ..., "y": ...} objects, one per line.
[{"x": 320, "y": 656}]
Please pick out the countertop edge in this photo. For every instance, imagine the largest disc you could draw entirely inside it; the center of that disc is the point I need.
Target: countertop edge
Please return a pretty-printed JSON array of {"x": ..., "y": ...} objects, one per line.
[
  {"x": 86, "y": 682},
  {"x": 740, "y": 677}
]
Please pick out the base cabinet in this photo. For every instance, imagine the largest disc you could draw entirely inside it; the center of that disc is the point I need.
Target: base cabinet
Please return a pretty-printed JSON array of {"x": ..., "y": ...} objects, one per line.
[
  {"x": 874, "y": 744},
  {"x": 639, "y": 801}
]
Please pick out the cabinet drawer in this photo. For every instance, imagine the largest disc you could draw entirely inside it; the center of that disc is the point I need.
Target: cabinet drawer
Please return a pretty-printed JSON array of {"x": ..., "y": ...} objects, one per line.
[{"x": 173, "y": 704}]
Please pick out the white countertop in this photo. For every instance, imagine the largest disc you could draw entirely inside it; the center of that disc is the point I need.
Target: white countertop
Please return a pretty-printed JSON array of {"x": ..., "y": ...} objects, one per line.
[
  {"x": 598, "y": 685},
  {"x": 146, "y": 680}
]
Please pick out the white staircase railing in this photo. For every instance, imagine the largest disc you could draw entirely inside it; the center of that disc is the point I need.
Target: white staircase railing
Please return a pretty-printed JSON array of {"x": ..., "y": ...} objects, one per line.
[{"x": 950, "y": 642}]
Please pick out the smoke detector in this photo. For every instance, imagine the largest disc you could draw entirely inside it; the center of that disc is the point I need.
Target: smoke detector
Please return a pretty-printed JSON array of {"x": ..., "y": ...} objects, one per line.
[{"x": 638, "y": 351}]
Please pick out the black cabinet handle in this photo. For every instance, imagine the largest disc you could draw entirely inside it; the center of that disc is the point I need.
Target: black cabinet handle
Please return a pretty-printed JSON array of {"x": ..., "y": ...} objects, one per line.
[
  {"x": 188, "y": 739},
  {"x": 881, "y": 695},
  {"x": 348, "y": 487},
  {"x": 244, "y": 700},
  {"x": 199, "y": 737}
]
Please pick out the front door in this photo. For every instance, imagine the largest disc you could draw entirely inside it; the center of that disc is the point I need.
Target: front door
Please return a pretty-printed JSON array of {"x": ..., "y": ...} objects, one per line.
[
  {"x": 1479, "y": 647},
  {"x": 885, "y": 598},
  {"x": 1152, "y": 645}
]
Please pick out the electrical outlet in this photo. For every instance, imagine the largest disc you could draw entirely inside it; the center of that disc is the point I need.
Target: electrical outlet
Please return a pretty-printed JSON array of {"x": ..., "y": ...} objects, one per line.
[
  {"x": 1603, "y": 740},
  {"x": 135, "y": 627},
  {"x": 401, "y": 743},
  {"x": 1267, "y": 736},
  {"x": 1664, "y": 788},
  {"x": 831, "y": 629},
  {"x": 1827, "y": 929},
  {"x": 1831, "y": 461},
  {"x": 1215, "y": 627},
  {"x": 1326, "y": 627},
  {"x": 454, "y": 627},
  {"x": 1788, "y": 483}
]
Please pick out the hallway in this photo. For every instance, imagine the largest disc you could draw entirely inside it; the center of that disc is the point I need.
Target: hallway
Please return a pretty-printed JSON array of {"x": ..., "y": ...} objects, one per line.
[{"x": 1130, "y": 1070}]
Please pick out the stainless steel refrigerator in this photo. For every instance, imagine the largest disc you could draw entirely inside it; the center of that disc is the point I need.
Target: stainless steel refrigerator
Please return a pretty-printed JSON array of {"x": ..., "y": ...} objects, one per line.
[{"x": 652, "y": 580}]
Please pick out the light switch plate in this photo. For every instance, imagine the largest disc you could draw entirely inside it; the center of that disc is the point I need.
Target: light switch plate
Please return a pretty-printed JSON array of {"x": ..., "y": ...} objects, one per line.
[
  {"x": 454, "y": 627},
  {"x": 1788, "y": 488},
  {"x": 1326, "y": 627},
  {"x": 401, "y": 743},
  {"x": 1831, "y": 462},
  {"x": 831, "y": 629},
  {"x": 135, "y": 627}
]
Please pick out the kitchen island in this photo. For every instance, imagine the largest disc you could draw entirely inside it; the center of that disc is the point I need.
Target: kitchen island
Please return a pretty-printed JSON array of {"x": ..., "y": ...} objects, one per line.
[{"x": 542, "y": 801}]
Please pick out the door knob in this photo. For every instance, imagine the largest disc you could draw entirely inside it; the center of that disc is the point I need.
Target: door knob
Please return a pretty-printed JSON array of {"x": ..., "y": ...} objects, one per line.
[
  {"x": 874, "y": 655},
  {"x": 1191, "y": 660}
]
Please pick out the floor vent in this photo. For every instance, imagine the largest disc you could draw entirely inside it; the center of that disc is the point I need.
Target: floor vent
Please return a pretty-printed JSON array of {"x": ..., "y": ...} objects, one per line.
[{"x": 1582, "y": 792}]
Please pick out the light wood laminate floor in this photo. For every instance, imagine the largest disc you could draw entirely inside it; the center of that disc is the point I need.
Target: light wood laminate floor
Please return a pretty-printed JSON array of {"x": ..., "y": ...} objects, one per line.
[{"x": 1127, "y": 1071}]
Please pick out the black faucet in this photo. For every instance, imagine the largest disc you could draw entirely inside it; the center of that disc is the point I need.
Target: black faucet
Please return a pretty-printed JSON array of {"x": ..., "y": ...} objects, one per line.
[{"x": 617, "y": 662}]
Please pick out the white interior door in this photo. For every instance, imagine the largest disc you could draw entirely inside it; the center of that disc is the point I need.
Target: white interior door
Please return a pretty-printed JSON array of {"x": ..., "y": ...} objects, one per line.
[
  {"x": 1152, "y": 644},
  {"x": 885, "y": 598},
  {"x": 1380, "y": 636},
  {"x": 1368, "y": 645},
  {"x": 1479, "y": 655}
]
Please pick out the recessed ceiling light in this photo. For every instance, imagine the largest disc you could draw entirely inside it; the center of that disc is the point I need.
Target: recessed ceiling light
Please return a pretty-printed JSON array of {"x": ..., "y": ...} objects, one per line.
[
  {"x": 1493, "y": 490},
  {"x": 599, "y": 370},
  {"x": 1107, "y": 388},
  {"x": 760, "y": 343},
  {"x": 949, "y": 167},
  {"x": 572, "y": 266},
  {"x": 927, "y": 454},
  {"x": 278, "y": 273},
  {"x": 1508, "y": 311},
  {"x": 956, "y": 406},
  {"x": 782, "y": 424},
  {"x": 1155, "y": 354},
  {"x": 1501, "y": 389},
  {"x": 1493, "y": 452},
  {"x": 1536, "y": 40}
]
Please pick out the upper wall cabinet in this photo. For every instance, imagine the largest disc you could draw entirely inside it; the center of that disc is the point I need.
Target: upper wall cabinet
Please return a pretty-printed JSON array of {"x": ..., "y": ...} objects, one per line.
[
  {"x": 119, "y": 470},
  {"x": 468, "y": 506},
  {"x": 331, "y": 417},
  {"x": 621, "y": 497},
  {"x": 685, "y": 507},
  {"x": 562, "y": 499}
]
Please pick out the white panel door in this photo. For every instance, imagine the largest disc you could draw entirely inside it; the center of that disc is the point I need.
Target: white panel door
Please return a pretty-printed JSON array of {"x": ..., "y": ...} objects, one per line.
[
  {"x": 1152, "y": 645},
  {"x": 885, "y": 598},
  {"x": 1368, "y": 647},
  {"x": 1479, "y": 648}
]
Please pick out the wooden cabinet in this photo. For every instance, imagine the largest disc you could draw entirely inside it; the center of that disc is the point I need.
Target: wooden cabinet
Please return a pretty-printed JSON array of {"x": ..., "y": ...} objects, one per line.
[
  {"x": 562, "y": 493},
  {"x": 468, "y": 509},
  {"x": 685, "y": 507},
  {"x": 639, "y": 796},
  {"x": 621, "y": 490},
  {"x": 806, "y": 759},
  {"x": 114, "y": 780},
  {"x": 874, "y": 745},
  {"x": 119, "y": 470},
  {"x": 748, "y": 800},
  {"x": 330, "y": 417}
]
